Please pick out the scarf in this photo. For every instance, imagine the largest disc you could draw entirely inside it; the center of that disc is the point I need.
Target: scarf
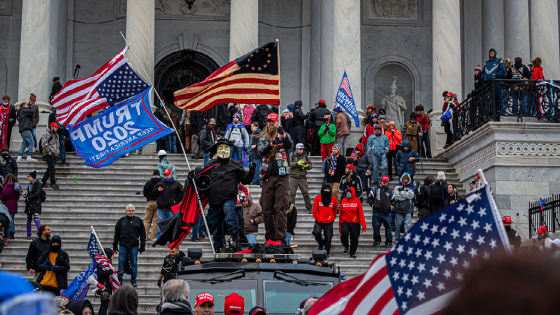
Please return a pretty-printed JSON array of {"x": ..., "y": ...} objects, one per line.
[
  {"x": 334, "y": 159},
  {"x": 326, "y": 197}
]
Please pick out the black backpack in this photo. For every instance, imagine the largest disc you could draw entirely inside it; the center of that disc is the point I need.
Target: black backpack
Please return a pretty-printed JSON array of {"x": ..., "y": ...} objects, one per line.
[
  {"x": 43, "y": 196},
  {"x": 438, "y": 193}
]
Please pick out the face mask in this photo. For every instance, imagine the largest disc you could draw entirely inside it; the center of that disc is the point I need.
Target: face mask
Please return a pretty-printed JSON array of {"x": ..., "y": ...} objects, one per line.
[
  {"x": 508, "y": 228},
  {"x": 223, "y": 151},
  {"x": 169, "y": 180},
  {"x": 384, "y": 186},
  {"x": 6, "y": 103},
  {"x": 55, "y": 248},
  {"x": 348, "y": 196}
]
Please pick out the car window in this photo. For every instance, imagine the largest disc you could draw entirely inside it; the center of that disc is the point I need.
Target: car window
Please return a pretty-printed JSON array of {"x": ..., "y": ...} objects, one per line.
[
  {"x": 285, "y": 297},
  {"x": 246, "y": 288}
]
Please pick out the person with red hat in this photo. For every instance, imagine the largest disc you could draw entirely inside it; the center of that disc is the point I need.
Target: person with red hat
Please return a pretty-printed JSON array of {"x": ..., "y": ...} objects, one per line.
[
  {"x": 204, "y": 304},
  {"x": 542, "y": 237},
  {"x": 275, "y": 172},
  {"x": 50, "y": 146},
  {"x": 351, "y": 217},
  {"x": 234, "y": 304},
  {"x": 327, "y": 133},
  {"x": 317, "y": 117},
  {"x": 363, "y": 164},
  {"x": 350, "y": 179},
  {"x": 380, "y": 201},
  {"x": 168, "y": 193},
  {"x": 513, "y": 236}
]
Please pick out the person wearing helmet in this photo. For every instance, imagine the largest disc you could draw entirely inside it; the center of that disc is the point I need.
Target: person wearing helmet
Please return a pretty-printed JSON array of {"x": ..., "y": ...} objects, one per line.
[
  {"x": 513, "y": 235},
  {"x": 300, "y": 164},
  {"x": 164, "y": 164},
  {"x": 327, "y": 133}
]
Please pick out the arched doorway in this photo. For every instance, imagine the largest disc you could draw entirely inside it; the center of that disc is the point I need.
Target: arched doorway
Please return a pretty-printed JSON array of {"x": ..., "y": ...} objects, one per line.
[{"x": 181, "y": 69}]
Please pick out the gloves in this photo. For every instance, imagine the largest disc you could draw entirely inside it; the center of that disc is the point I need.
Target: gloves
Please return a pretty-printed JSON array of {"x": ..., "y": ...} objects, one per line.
[
  {"x": 327, "y": 128},
  {"x": 252, "y": 166},
  {"x": 300, "y": 163},
  {"x": 142, "y": 248},
  {"x": 47, "y": 267},
  {"x": 159, "y": 283},
  {"x": 48, "y": 263},
  {"x": 191, "y": 175}
]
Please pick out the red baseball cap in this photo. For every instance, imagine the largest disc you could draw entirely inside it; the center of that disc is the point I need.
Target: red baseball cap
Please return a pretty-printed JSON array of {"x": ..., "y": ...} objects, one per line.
[
  {"x": 542, "y": 229},
  {"x": 322, "y": 102},
  {"x": 234, "y": 304},
  {"x": 168, "y": 172},
  {"x": 203, "y": 298},
  {"x": 506, "y": 219},
  {"x": 385, "y": 178},
  {"x": 350, "y": 166},
  {"x": 272, "y": 116},
  {"x": 53, "y": 124}
]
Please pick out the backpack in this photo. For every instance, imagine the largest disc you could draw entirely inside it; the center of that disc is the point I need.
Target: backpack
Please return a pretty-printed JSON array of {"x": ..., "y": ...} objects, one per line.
[
  {"x": 44, "y": 142},
  {"x": 262, "y": 114},
  {"x": 43, "y": 196},
  {"x": 18, "y": 189},
  {"x": 348, "y": 119},
  {"x": 438, "y": 192}
]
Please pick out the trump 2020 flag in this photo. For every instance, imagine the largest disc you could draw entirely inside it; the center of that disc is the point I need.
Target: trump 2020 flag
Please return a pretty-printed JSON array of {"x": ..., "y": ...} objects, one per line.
[
  {"x": 345, "y": 98},
  {"x": 425, "y": 269},
  {"x": 78, "y": 288},
  {"x": 125, "y": 127}
]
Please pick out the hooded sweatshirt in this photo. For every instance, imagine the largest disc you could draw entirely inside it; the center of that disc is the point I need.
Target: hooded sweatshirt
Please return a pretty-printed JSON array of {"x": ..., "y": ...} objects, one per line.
[
  {"x": 252, "y": 211},
  {"x": 365, "y": 162},
  {"x": 395, "y": 136},
  {"x": 494, "y": 68},
  {"x": 404, "y": 196},
  {"x": 323, "y": 212},
  {"x": 351, "y": 211},
  {"x": 165, "y": 164},
  {"x": 77, "y": 307},
  {"x": 402, "y": 163},
  {"x": 61, "y": 263},
  {"x": 124, "y": 301},
  {"x": 537, "y": 73}
]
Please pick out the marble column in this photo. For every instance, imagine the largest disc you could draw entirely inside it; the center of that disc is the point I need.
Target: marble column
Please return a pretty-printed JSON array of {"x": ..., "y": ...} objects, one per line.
[
  {"x": 493, "y": 27},
  {"x": 243, "y": 27},
  {"x": 446, "y": 33},
  {"x": 544, "y": 36},
  {"x": 347, "y": 47},
  {"x": 327, "y": 24},
  {"x": 516, "y": 21},
  {"x": 315, "y": 54},
  {"x": 472, "y": 44},
  {"x": 140, "y": 33}
]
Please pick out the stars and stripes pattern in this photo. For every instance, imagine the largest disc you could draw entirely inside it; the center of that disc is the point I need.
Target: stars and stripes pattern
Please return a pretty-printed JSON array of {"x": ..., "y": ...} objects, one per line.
[
  {"x": 251, "y": 79},
  {"x": 425, "y": 269},
  {"x": 104, "y": 262},
  {"x": 115, "y": 81},
  {"x": 345, "y": 85}
]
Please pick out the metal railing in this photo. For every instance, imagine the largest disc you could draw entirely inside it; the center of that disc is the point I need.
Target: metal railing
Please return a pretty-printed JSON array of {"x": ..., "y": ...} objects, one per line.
[
  {"x": 513, "y": 98},
  {"x": 549, "y": 216}
]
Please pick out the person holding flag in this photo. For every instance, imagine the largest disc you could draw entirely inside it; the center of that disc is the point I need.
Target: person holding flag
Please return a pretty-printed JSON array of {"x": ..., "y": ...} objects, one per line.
[
  {"x": 237, "y": 133},
  {"x": 106, "y": 275}
]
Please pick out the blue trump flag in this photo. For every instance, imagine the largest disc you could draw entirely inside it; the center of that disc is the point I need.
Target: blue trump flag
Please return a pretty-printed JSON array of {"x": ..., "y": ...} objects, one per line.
[
  {"x": 345, "y": 99},
  {"x": 122, "y": 128},
  {"x": 78, "y": 288}
]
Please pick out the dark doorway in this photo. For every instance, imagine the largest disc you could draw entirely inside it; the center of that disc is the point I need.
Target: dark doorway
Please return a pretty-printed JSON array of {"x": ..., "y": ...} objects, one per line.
[{"x": 179, "y": 70}]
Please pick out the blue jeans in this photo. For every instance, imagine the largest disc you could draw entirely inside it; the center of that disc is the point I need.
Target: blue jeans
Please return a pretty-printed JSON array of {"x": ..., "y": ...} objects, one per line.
[
  {"x": 35, "y": 136},
  {"x": 62, "y": 149},
  {"x": 379, "y": 161},
  {"x": 206, "y": 157},
  {"x": 162, "y": 215},
  {"x": 198, "y": 229},
  {"x": 172, "y": 143},
  {"x": 251, "y": 238},
  {"x": 399, "y": 218},
  {"x": 161, "y": 144},
  {"x": 217, "y": 215},
  {"x": 27, "y": 141},
  {"x": 238, "y": 150},
  {"x": 12, "y": 226},
  {"x": 123, "y": 255},
  {"x": 385, "y": 219},
  {"x": 425, "y": 148},
  {"x": 288, "y": 238},
  {"x": 256, "y": 178}
]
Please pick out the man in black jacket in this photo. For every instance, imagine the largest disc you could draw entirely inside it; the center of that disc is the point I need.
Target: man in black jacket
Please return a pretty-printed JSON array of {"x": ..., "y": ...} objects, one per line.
[
  {"x": 299, "y": 123},
  {"x": 351, "y": 179},
  {"x": 380, "y": 201},
  {"x": 37, "y": 247},
  {"x": 169, "y": 268},
  {"x": 260, "y": 114},
  {"x": 53, "y": 266},
  {"x": 25, "y": 116},
  {"x": 168, "y": 192},
  {"x": 33, "y": 204},
  {"x": 222, "y": 117},
  {"x": 127, "y": 232},
  {"x": 151, "y": 207},
  {"x": 197, "y": 121},
  {"x": 7, "y": 164},
  {"x": 207, "y": 139},
  {"x": 103, "y": 277},
  {"x": 423, "y": 197},
  {"x": 318, "y": 119},
  {"x": 225, "y": 175}
]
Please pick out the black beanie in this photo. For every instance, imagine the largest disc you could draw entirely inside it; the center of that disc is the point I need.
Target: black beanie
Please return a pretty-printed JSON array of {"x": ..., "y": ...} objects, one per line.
[
  {"x": 419, "y": 108},
  {"x": 5, "y": 149},
  {"x": 156, "y": 172},
  {"x": 413, "y": 115},
  {"x": 33, "y": 174}
]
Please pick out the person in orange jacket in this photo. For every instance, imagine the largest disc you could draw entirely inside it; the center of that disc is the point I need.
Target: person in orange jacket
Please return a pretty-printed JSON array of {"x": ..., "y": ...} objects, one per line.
[
  {"x": 395, "y": 139},
  {"x": 351, "y": 216},
  {"x": 324, "y": 212}
]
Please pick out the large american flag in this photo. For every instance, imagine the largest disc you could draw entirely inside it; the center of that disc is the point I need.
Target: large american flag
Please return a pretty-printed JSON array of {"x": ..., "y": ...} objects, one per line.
[
  {"x": 113, "y": 82},
  {"x": 250, "y": 79},
  {"x": 425, "y": 268},
  {"x": 96, "y": 254}
]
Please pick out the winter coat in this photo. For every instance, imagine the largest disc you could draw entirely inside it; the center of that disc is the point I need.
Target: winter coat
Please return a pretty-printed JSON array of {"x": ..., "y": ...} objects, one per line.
[
  {"x": 178, "y": 308},
  {"x": 149, "y": 192},
  {"x": 340, "y": 167},
  {"x": 288, "y": 125},
  {"x": 370, "y": 131},
  {"x": 33, "y": 200},
  {"x": 380, "y": 199},
  {"x": 377, "y": 145},
  {"x": 341, "y": 123},
  {"x": 254, "y": 142},
  {"x": 364, "y": 163},
  {"x": 537, "y": 73},
  {"x": 292, "y": 218},
  {"x": 395, "y": 138},
  {"x": 169, "y": 268},
  {"x": 247, "y": 113},
  {"x": 263, "y": 150},
  {"x": 197, "y": 121},
  {"x": 170, "y": 195},
  {"x": 127, "y": 232},
  {"x": 494, "y": 69},
  {"x": 222, "y": 117},
  {"x": 351, "y": 211},
  {"x": 9, "y": 167},
  {"x": 225, "y": 178},
  {"x": 355, "y": 183},
  {"x": 49, "y": 143},
  {"x": 76, "y": 307},
  {"x": 423, "y": 199},
  {"x": 403, "y": 196},
  {"x": 103, "y": 276},
  {"x": 36, "y": 248},
  {"x": 327, "y": 133},
  {"x": 424, "y": 121},
  {"x": 259, "y": 115},
  {"x": 62, "y": 261},
  {"x": 518, "y": 71},
  {"x": 207, "y": 138},
  {"x": 299, "y": 117},
  {"x": 238, "y": 134},
  {"x": 35, "y": 116},
  {"x": 10, "y": 198},
  {"x": 165, "y": 164},
  {"x": 296, "y": 170},
  {"x": 478, "y": 83},
  {"x": 514, "y": 238},
  {"x": 437, "y": 194},
  {"x": 318, "y": 116},
  {"x": 12, "y": 116},
  {"x": 450, "y": 199},
  {"x": 25, "y": 118},
  {"x": 322, "y": 213},
  {"x": 401, "y": 160},
  {"x": 252, "y": 211}
]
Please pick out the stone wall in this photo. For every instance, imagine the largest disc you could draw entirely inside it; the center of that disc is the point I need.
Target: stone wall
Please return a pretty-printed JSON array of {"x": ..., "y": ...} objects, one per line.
[
  {"x": 521, "y": 161},
  {"x": 10, "y": 33}
]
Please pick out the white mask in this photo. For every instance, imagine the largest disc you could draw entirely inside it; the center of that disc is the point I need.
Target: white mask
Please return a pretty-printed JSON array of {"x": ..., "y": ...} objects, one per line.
[{"x": 223, "y": 151}]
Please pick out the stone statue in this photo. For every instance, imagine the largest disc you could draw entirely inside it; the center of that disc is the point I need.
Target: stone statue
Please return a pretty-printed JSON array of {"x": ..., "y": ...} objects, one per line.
[{"x": 394, "y": 105}]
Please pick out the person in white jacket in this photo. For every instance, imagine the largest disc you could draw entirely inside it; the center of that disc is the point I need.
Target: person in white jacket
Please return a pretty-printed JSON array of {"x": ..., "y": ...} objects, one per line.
[{"x": 403, "y": 195}]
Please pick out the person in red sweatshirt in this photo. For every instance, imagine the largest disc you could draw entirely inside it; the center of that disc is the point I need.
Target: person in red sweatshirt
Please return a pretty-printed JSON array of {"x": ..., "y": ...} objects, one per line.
[
  {"x": 351, "y": 217},
  {"x": 324, "y": 212}
]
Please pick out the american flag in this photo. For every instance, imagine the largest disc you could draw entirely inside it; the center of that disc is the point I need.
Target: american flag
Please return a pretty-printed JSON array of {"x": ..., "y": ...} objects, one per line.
[
  {"x": 250, "y": 79},
  {"x": 113, "y": 82},
  {"x": 346, "y": 86},
  {"x": 424, "y": 269},
  {"x": 95, "y": 253}
]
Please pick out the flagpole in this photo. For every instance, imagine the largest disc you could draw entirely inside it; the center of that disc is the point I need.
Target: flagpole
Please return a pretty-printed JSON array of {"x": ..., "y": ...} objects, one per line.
[
  {"x": 279, "y": 80},
  {"x": 180, "y": 142},
  {"x": 101, "y": 249}
]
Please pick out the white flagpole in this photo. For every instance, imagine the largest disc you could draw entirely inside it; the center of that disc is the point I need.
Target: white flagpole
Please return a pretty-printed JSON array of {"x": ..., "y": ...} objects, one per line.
[
  {"x": 182, "y": 147},
  {"x": 99, "y": 243}
]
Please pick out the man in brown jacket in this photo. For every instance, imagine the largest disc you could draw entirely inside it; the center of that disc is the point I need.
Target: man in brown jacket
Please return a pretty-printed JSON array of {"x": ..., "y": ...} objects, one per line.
[
  {"x": 252, "y": 215},
  {"x": 342, "y": 129}
]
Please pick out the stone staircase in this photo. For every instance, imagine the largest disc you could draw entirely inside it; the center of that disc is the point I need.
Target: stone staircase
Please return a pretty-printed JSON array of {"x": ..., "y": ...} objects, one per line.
[{"x": 99, "y": 198}]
